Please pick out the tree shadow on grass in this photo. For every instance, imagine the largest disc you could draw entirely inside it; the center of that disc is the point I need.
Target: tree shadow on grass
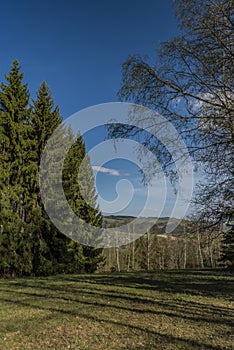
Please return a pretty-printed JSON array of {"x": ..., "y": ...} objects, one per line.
[
  {"x": 107, "y": 295},
  {"x": 186, "y": 310},
  {"x": 169, "y": 282},
  {"x": 131, "y": 287},
  {"x": 162, "y": 339}
]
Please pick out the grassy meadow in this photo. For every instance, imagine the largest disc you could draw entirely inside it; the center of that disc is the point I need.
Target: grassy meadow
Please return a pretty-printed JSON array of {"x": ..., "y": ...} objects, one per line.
[{"x": 156, "y": 310}]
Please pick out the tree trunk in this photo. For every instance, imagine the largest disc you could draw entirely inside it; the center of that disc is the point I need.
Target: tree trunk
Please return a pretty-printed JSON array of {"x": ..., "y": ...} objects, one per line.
[
  {"x": 129, "y": 248},
  {"x": 133, "y": 255},
  {"x": 199, "y": 250},
  {"x": 117, "y": 259},
  {"x": 185, "y": 249},
  {"x": 148, "y": 250}
]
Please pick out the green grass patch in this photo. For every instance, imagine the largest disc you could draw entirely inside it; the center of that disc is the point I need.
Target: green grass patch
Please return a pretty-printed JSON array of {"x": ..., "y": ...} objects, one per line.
[{"x": 156, "y": 310}]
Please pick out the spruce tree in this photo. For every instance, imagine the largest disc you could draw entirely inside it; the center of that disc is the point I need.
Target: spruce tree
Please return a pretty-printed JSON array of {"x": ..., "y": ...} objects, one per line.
[
  {"x": 49, "y": 249},
  {"x": 81, "y": 196},
  {"x": 15, "y": 173},
  {"x": 29, "y": 242},
  {"x": 227, "y": 257}
]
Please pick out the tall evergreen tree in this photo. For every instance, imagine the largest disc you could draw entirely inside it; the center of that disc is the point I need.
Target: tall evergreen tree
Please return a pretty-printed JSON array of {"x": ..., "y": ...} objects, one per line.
[
  {"x": 29, "y": 242},
  {"x": 81, "y": 196},
  {"x": 15, "y": 173},
  {"x": 49, "y": 248},
  {"x": 227, "y": 257},
  {"x": 53, "y": 251}
]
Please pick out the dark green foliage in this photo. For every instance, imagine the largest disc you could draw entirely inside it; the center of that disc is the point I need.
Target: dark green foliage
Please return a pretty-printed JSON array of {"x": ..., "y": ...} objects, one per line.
[
  {"x": 15, "y": 172},
  {"x": 228, "y": 248},
  {"x": 49, "y": 245},
  {"x": 78, "y": 184},
  {"x": 29, "y": 242},
  {"x": 228, "y": 242}
]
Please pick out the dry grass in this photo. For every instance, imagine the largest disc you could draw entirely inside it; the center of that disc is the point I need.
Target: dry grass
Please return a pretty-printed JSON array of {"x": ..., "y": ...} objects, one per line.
[{"x": 157, "y": 310}]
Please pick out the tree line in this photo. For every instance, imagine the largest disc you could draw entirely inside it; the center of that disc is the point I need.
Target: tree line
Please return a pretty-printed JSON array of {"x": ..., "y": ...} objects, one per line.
[
  {"x": 191, "y": 246},
  {"x": 29, "y": 242}
]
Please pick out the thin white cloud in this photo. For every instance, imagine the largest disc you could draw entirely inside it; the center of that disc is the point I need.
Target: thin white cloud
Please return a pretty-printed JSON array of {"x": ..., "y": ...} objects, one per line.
[{"x": 109, "y": 171}]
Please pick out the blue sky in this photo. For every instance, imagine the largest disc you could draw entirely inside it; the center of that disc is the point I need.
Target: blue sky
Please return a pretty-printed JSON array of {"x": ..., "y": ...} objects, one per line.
[{"x": 77, "y": 47}]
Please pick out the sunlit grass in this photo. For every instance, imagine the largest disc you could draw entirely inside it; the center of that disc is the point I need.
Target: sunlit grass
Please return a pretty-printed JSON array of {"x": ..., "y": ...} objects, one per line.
[{"x": 157, "y": 310}]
